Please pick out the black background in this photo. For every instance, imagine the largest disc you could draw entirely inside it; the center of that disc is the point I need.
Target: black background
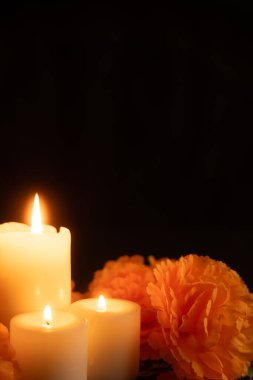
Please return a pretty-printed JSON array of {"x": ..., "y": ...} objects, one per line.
[{"x": 133, "y": 124}]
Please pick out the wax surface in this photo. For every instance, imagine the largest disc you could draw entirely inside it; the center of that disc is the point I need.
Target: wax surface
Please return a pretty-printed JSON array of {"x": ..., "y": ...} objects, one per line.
[
  {"x": 113, "y": 338},
  {"x": 54, "y": 352},
  {"x": 35, "y": 269}
]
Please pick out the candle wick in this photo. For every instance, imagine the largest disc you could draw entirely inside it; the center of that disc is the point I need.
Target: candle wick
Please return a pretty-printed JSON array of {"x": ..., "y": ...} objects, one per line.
[{"x": 47, "y": 323}]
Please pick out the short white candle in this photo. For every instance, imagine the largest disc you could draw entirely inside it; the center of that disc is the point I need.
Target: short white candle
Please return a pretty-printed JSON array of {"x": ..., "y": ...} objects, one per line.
[
  {"x": 35, "y": 269},
  {"x": 50, "y": 349},
  {"x": 113, "y": 338}
]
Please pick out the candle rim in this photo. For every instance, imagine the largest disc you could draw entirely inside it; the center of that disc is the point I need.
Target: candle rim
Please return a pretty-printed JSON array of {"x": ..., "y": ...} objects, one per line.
[
  {"x": 22, "y": 228},
  {"x": 132, "y": 306},
  {"x": 33, "y": 321}
]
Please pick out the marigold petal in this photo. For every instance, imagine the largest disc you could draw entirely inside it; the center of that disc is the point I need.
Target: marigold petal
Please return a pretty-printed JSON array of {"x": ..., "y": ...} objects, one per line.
[{"x": 206, "y": 316}]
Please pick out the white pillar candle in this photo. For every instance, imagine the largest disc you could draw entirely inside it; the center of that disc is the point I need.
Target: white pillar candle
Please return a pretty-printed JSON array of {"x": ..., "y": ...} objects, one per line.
[
  {"x": 113, "y": 338},
  {"x": 35, "y": 269},
  {"x": 50, "y": 349}
]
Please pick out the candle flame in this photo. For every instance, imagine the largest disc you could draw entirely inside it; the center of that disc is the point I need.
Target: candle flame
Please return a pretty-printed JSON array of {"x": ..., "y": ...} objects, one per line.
[
  {"x": 36, "y": 217},
  {"x": 101, "y": 303},
  {"x": 47, "y": 315}
]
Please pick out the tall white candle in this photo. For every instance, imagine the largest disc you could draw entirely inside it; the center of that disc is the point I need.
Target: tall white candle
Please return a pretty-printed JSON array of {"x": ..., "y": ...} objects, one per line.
[
  {"x": 50, "y": 349},
  {"x": 35, "y": 269},
  {"x": 113, "y": 338}
]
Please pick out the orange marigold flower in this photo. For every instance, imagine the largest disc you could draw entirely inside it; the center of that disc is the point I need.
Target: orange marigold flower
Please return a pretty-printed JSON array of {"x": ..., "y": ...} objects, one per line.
[
  {"x": 127, "y": 278},
  {"x": 206, "y": 315},
  {"x": 8, "y": 367}
]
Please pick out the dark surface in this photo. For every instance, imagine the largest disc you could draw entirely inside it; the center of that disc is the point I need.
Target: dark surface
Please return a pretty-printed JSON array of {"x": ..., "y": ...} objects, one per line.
[
  {"x": 134, "y": 125},
  {"x": 151, "y": 369}
]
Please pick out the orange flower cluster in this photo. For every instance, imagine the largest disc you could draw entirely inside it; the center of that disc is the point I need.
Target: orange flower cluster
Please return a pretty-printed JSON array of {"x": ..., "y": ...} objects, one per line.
[
  {"x": 196, "y": 313},
  {"x": 8, "y": 367},
  {"x": 127, "y": 278},
  {"x": 205, "y": 312}
]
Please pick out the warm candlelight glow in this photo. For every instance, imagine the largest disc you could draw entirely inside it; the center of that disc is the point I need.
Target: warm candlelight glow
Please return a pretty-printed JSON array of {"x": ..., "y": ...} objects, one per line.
[
  {"x": 47, "y": 315},
  {"x": 46, "y": 351},
  {"x": 36, "y": 217},
  {"x": 113, "y": 337},
  {"x": 101, "y": 303},
  {"x": 35, "y": 266}
]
